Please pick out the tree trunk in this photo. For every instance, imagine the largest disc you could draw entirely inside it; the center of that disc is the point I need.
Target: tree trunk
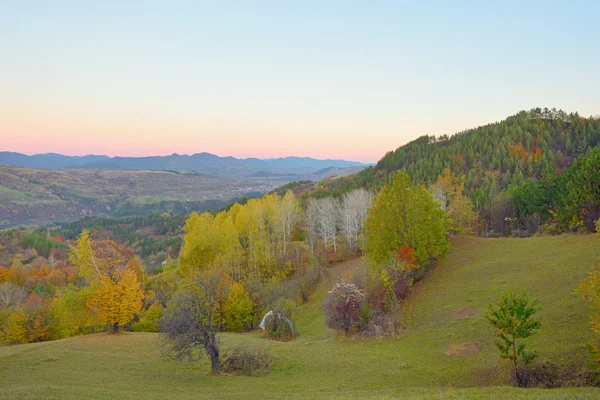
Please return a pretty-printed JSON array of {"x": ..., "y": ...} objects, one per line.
[
  {"x": 514, "y": 346},
  {"x": 214, "y": 363},
  {"x": 115, "y": 328}
]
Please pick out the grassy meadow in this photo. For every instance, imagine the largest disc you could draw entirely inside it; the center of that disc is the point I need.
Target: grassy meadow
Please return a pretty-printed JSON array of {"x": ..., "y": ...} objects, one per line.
[{"x": 446, "y": 348}]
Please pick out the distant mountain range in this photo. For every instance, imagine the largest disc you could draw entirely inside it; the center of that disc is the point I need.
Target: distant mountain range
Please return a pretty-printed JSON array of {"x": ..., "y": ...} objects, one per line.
[{"x": 285, "y": 168}]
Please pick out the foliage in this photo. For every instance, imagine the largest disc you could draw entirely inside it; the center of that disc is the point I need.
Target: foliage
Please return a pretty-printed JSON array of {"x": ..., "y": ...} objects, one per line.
[
  {"x": 448, "y": 191},
  {"x": 380, "y": 325},
  {"x": 116, "y": 302},
  {"x": 151, "y": 237},
  {"x": 247, "y": 240},
  {"x": 149, "y": 319},
  {"x": 583, "y": 184},
  {"x": 239, "y": 311},
  {"x": 39, "y": 241},
  {"x": 367, "y": 369},
  {"x": 71, "y": 313},
  {"x": 589, "y": 289},
  {"x": 513, "y": 320},
  {"x": 28, "y": 326},
  {"x": 401, "y": 214}
]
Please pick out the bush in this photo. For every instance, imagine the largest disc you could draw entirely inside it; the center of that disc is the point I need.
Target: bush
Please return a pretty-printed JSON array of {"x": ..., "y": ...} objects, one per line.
[
  {"x": 149, "y": 319},
  {"x": 342, "y": 307},
  {"x": 550, "y": 375},
  {"x": 247, "y": 360},
  {"x": 380, "y": 325}
]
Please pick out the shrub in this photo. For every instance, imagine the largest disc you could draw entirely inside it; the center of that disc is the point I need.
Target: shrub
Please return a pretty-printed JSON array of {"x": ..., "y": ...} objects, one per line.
[
  {"x": 342, "y": 307},
  {"x": 551, "y": 375},
  {"x": 149, "y": 319},
  {"x": 247, "y": 360},
  {"x": 380, "y": 325}
]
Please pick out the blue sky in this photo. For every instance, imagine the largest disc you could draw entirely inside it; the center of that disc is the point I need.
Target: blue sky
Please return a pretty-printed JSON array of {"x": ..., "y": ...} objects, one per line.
[{"x": 332, "y": 79}]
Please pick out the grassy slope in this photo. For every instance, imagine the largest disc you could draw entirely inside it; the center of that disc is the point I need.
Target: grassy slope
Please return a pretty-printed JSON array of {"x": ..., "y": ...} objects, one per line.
[{"x": 475, "y": 273}]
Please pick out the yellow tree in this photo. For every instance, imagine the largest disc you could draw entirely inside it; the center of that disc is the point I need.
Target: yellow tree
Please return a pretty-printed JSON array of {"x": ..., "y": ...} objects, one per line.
[
  {"x": 18, "y": 271},
  {"x": 198, "y": 249},
  {"x": 448, "y": 191},
  {"x": 28, "y": 327},
  {"x": 114, "y": 276},
  {"x": 82, "y": 256},
  {"x": 116, "y": 302}
]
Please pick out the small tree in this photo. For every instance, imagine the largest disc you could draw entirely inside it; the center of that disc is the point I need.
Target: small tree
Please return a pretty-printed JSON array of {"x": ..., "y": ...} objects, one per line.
[
  {"x": 513, "y": 319},
  {"x": 307, "y": 277},
  {"x": 342, "y": 306},
  {"x": 589, "y": 289},
  {"x": 189, "y": 321},
  {"x": 11, "y": 294},
  {"x": 239, "y": 311}
]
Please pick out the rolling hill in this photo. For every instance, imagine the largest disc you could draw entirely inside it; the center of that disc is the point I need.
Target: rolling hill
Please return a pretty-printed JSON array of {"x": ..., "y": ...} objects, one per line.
[
  {"x": 491, "y": 157},
  {"x": 445, "y": 311}
]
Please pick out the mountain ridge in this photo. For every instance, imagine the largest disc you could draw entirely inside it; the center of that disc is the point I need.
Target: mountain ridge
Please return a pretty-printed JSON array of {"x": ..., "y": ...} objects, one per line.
[{"x": 198, "y": 162}]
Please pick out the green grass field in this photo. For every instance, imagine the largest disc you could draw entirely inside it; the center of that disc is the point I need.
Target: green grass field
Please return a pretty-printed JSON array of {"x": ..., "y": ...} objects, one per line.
[{"x": 446, "y": 309}]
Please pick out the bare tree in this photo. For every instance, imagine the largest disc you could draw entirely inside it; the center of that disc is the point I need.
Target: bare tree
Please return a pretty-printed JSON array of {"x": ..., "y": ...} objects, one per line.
[
  {"x": 311, "y": 223},
  {"x": 327, "y": 212},
  {"x": 306, "y": 280},
  {"x": 189, "y": 321},
  {"x": 11, "y": 294},
  {"x": 353, "y": 212}
]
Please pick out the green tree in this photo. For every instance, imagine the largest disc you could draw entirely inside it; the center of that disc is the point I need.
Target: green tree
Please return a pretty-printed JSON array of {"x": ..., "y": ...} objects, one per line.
[
  {"x": 584, "y": 189},
  {"x": 513, "y": 320},
  {"x": 401, "y": 213}
]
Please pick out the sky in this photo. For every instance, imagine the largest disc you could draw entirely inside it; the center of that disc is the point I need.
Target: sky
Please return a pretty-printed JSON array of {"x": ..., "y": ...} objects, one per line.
[{"x": 326, "y": 79}]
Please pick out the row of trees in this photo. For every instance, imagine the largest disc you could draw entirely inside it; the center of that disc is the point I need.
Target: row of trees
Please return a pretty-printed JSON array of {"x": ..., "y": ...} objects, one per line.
[
  {"x": 247, "y": 240},
  {"x": 328, "y": 218}
]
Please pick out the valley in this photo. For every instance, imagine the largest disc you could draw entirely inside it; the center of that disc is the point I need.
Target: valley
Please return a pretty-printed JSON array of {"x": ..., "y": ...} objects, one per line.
[{"x": 41, "y": 196}]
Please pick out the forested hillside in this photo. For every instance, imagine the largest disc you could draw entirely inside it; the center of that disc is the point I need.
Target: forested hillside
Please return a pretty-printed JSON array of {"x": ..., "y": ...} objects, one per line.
[
  {"x": 491, "y": 157},
  {"x": 514, "y": 172}
]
